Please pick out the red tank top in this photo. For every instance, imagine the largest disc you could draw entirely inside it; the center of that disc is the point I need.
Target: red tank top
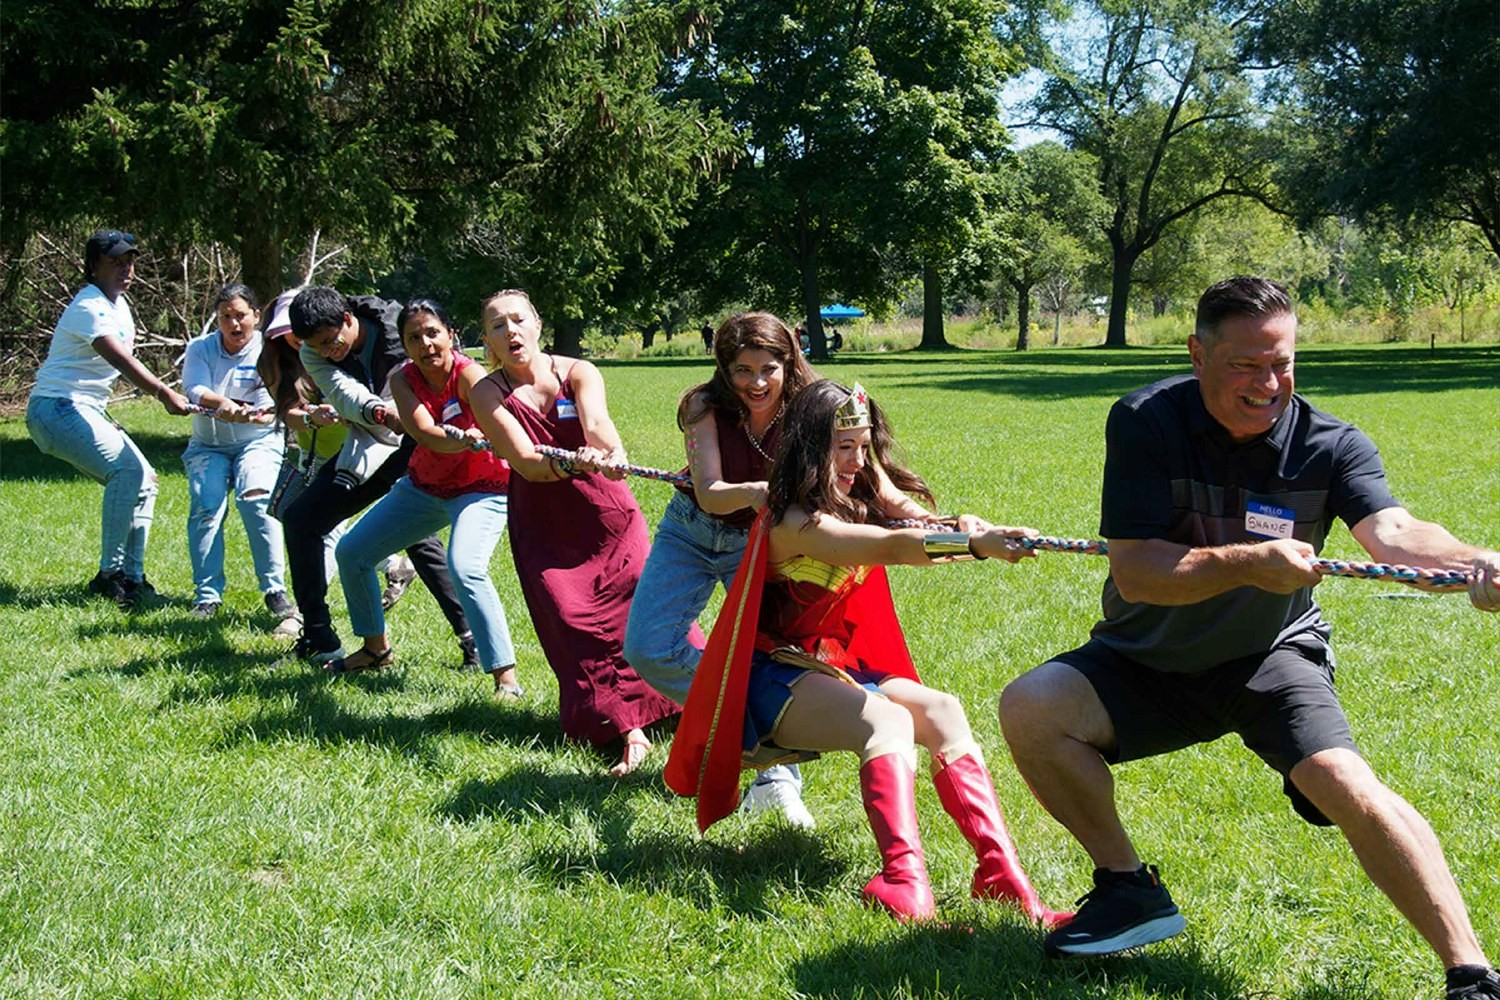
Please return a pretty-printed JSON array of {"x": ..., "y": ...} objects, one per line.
[{"x": 451, "y": 474}]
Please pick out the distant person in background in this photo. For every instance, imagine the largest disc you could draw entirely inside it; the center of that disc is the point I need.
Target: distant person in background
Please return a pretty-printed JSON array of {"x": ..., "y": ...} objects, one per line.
[
  {"x": 447, "y": 484},
  {"x": 577, "y": 534},
  {"x": 349, "y": 348},
  {"x": 93, "y": 345},
  {"x": 1220, "y": 487},
  {"x": 236, "y": 447},
  {"x": 732, "y": 428}
]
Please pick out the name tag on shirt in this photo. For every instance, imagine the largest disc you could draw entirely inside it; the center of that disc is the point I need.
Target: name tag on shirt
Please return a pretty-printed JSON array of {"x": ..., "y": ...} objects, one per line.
[
  {"x": 451, "y": 411},
  {"x": 1265, "y": 521},
  {"x": 567, "y": 409}
]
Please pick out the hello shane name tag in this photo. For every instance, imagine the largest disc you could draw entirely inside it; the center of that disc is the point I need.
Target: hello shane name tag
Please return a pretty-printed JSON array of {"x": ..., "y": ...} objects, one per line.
[
  {"x": 1265, "y": 521},
  {"x": 567, "y": 410}
]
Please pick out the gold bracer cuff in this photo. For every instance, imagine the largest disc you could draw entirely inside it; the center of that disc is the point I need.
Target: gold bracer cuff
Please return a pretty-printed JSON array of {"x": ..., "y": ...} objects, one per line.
[{"x": 948, "y": 546}]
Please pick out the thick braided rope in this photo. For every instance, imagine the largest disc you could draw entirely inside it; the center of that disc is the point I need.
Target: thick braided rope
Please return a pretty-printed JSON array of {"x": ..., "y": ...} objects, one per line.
[
  {"x": 204, "y": 411},
  {"x": 1435, "y": 579},
  {"x": 644, "y": 471}
]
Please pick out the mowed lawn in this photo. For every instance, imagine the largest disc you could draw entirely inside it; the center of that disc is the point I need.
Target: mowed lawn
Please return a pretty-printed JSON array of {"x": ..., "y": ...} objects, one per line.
[{"x": 181, "y": 818}]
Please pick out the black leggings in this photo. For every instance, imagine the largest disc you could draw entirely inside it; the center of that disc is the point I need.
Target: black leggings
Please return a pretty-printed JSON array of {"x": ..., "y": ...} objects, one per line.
[{"x": 320, "y": 508}]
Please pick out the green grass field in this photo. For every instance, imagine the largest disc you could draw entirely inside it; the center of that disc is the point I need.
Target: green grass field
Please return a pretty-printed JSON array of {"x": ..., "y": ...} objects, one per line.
[{"x": 179, "y": 818}]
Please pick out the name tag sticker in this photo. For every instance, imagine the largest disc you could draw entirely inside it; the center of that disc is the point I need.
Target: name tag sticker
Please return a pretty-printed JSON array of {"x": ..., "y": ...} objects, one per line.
[
  {"x": 567, "y": 409},
  {"x": 1269, "y": 522},
  {"x": 451, "y": 411}
]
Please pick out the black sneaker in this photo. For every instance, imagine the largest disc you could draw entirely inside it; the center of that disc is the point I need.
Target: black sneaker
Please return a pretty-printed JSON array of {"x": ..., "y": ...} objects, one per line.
[
  {"x": 279, "y": 604},
  {"x": 110, "y": 585},
  {"x": 204, "y": 609},
  {"x": 318, "y": 647},
  {"x": 1123, "y": 910},
  {"x": 1462, "y": 985},
  {"x": 136, "y": 594},
  {"x": 471, "y": 652}
]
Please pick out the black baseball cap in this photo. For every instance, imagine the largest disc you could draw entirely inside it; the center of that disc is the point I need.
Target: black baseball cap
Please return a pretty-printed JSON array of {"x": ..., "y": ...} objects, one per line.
[{"x": 109, "y": 243}]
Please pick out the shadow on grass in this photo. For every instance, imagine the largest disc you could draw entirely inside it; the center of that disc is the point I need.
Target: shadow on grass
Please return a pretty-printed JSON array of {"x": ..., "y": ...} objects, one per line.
[
  {"x": 58, "y": 595},
  {"x": 1004, "y": 961},
  {"x": 742, "y": 878},
  {"x": 24, "y": 460}
]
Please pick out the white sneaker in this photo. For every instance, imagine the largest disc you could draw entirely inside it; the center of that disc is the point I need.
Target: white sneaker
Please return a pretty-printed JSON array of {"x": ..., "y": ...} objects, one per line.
[{"x": 779, "y": 796}]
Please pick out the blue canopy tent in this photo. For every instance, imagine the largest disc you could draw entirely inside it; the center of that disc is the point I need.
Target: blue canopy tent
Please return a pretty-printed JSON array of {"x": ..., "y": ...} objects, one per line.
[{"x": 839, "y": 311}]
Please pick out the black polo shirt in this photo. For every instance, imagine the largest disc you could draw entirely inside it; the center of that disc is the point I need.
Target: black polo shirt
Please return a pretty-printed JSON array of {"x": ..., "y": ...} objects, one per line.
[{"x": 1172, "y": 472}]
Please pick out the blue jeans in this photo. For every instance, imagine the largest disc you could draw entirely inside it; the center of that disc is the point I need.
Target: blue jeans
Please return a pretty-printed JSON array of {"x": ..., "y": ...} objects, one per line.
[
  {"x": 250, "y": 467},
  {"x": 405, "y": 516},
  {"x": 87, "y": 439},
  {"x": 691, "y": 554}
]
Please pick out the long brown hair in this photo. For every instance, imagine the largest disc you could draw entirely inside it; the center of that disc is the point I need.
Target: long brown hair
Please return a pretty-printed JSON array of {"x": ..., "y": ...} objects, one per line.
[
  {"x": 280, "y": 368},
  {"x": 745, "y": 331},
  {"x": 803, "y": 473}
]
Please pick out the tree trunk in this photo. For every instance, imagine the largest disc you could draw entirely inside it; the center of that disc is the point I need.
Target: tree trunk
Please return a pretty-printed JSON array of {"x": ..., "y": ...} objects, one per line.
[
  {"x": 1056, "y": 326},
  {"x": 260, "y": 260},
  {"x": 648, "y": 337},
  {"x": 932, "y": 310},
  {"x": 569, "y": 337},
  {"x": 1159, "y": 305},
  {"x": 812, "y": 304},
  {"x": 1023, "y": 316},
  {"x": 1119, "y": 299}
]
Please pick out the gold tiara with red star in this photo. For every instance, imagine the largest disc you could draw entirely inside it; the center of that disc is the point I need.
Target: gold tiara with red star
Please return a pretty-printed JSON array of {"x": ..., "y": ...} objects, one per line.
[{"x": 853, "y": 412}]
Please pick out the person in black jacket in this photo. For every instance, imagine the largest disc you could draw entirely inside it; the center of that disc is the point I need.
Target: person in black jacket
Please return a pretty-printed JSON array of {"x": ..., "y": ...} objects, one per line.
[{"x": 349, "y": 348}]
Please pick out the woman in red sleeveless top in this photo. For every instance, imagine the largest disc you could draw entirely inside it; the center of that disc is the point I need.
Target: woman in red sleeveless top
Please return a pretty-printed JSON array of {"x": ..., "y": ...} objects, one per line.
[
  {"x": 446, "y": 483},
  {"x": 579, "y": 539},
  {"x": 808, "y": 655}
]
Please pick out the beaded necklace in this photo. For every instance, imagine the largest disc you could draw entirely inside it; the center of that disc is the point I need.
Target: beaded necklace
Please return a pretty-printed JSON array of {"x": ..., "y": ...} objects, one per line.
[{"x": 755, "y": 443}]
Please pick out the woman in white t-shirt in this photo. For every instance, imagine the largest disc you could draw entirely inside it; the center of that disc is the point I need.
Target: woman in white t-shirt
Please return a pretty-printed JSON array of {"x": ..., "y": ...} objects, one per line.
[
  {"x": 236, "y": 447},
  {"x": 91, "y": 347}
]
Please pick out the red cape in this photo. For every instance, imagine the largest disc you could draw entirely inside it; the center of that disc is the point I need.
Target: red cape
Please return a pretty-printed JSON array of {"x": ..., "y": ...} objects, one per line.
[{"x": 708, "y": 748}]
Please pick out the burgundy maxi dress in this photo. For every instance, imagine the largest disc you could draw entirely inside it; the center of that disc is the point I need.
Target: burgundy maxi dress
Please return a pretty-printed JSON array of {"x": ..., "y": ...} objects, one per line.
[{"x": 579, "y": 546}]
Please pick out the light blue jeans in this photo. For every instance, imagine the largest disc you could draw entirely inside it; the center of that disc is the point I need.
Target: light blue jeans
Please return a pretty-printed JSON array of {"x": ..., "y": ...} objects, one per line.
[
  {"x": 249, "y": 467},
  {"x": 86, "y": 438},
  {"x": 691, "y": 554},
  {"x": 407, "y": 515}
]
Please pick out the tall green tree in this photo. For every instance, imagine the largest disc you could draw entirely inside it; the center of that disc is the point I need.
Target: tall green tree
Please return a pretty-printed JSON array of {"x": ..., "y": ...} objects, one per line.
[
  {"x": 1395, "y": 107},
  {"x": 1158, "y": 92},
  {"x": 1053, "y": 208},
  {"x": 532, "y": 137},
  {"x": 864, "y": 126}
]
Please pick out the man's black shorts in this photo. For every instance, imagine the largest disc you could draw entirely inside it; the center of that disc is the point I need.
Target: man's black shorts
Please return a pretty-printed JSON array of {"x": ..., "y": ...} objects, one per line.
[{"x": 1281, "y": 703}]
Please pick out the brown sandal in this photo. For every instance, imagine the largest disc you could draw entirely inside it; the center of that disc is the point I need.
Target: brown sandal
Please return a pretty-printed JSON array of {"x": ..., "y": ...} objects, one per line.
[{"x": 371, "y": 661}]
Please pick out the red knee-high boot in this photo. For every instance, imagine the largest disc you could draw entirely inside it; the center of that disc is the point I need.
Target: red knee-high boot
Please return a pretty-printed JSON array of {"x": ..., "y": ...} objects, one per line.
[
  {"x": 887, "y": 785},
  {"x": 968, "y": 795}
]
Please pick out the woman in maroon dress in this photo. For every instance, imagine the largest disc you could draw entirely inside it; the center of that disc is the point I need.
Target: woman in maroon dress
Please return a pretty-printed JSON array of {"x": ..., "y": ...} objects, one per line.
[{"x": 577, "y": 534}]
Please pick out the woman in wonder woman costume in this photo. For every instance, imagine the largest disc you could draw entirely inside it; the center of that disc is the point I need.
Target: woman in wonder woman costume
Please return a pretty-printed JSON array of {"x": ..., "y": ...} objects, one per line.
[{"x": 807, "y": 654}]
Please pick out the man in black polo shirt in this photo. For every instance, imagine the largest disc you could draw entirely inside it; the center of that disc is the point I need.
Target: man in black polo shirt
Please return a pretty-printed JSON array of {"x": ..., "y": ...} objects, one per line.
[{"x": 1218, "y": 489}]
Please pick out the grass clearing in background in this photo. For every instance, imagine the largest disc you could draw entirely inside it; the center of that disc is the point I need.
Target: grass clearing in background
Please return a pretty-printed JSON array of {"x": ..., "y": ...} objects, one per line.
[{"x": 183, "y": 819}]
